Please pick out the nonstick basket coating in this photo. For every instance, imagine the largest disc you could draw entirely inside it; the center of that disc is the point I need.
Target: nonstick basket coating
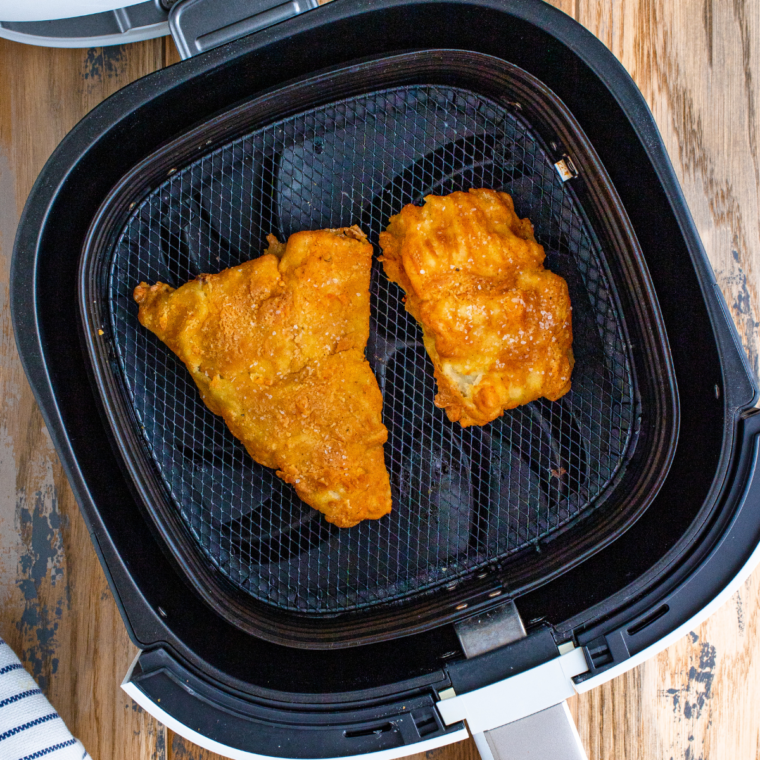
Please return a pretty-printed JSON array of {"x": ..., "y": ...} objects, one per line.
[
  {"x": 461, "y": 498},
  {"x": 480, "y": 514}
]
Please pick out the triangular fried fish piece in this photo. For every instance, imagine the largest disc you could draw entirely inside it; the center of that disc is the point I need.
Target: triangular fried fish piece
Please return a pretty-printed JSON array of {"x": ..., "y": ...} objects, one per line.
[
  {"x": 495, "y": 323},
  {"x": 276, "y": 347}
]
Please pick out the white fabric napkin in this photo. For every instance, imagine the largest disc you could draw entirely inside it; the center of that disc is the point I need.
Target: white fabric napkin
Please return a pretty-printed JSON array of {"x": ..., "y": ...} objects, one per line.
[{"x": 29, "y": 726}]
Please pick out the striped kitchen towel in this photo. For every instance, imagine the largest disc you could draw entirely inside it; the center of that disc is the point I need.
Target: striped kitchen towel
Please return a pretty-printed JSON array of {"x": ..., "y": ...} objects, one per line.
[{"x": 29, "y": 726}]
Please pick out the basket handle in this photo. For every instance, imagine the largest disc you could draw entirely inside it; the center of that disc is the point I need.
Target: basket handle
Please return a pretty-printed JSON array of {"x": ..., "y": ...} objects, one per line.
[
  {"x": 547, "y": 735},
  {"x": 200, "y": 25}
]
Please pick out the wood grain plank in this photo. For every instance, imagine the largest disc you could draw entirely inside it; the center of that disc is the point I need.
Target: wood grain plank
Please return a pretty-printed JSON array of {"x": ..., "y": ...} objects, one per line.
[
  {"x": 171, "y": 54},
  {"x": 184, "y": 749},
  {"x": 696, "y": 62},
  {"x": 570, "y": 7},
  {"x": 55, "y": 607}
]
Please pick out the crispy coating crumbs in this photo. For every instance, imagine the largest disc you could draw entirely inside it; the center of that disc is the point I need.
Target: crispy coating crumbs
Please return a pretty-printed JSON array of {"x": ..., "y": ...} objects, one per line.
[
  {"x": 496, "y": 324},
  {"x": 276, "y": 347}
]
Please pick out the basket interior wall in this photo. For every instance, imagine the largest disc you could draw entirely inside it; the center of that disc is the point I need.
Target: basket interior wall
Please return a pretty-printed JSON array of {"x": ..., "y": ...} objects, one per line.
[{"x": 464, "y": 500}]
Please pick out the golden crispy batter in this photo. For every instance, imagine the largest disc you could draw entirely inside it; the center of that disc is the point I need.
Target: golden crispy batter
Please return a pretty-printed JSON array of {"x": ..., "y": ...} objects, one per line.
[
  {"x": 495, "y": 323},
  {"x": 276, "y": 347}
]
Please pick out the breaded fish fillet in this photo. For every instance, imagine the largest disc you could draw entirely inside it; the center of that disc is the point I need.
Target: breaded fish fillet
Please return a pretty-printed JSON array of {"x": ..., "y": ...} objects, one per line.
[
  {"x": 495, "y": 323},
  {"x": 276, "y": 347}
]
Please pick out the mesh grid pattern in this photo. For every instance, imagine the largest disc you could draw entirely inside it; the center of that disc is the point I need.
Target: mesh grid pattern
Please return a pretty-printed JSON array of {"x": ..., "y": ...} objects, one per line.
[{"x": 463, "y": 499}]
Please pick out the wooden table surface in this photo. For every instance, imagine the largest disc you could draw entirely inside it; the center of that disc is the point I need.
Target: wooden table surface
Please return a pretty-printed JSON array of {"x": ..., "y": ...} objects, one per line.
[{"x": 698, "y": 64}]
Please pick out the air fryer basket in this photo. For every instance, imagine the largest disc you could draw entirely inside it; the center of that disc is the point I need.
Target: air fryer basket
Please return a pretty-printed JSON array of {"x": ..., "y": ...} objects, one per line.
[{"x": 479, "y": 514}]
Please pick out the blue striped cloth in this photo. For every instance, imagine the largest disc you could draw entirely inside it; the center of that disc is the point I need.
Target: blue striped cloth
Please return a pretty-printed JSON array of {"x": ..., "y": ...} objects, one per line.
[{"x": 29, "y": 726}]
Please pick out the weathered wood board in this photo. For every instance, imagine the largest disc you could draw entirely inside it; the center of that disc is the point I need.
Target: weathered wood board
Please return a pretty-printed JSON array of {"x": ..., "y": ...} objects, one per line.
[{"x": 696, "y": 61}]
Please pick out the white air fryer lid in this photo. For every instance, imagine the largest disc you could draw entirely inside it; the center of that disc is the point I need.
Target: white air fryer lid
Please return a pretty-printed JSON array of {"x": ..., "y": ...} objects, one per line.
[
  {"x": 83, "y": 23},
  {"x": 196, "y": 25}
]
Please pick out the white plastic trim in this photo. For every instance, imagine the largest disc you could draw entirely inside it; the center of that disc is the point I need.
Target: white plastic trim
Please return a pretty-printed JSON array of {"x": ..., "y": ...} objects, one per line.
[
  {"x": 689, "y": 625},
  {"x": 483, "y": 749},
  {"x": 49, "y": 10},
  {"x": 138, "y": 34},
  {"x": 500, "y": 703},
  {"x": 492, "y": 706},
  {"x": 517, "y": 697},
  {"x": 161, "y": 715}
]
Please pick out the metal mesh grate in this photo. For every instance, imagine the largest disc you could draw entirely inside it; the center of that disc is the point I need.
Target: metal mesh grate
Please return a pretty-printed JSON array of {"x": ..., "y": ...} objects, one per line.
[{"x": 463, "y": 499}]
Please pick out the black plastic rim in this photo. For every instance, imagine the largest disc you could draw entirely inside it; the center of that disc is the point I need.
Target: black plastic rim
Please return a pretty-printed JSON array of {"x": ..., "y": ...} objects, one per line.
[{"x": 700, "y": 518}]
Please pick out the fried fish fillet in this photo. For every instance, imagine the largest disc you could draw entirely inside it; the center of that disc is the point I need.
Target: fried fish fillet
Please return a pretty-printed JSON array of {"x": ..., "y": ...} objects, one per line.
[
  {"x": 495, "y": 323},
  {"x": 276, "y": 347}
]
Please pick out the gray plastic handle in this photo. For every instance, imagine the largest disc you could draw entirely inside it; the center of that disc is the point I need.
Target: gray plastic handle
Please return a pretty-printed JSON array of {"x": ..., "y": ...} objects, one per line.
[
  {"x": 547, "y": 735},
  {"x": 200, "y": 25}
]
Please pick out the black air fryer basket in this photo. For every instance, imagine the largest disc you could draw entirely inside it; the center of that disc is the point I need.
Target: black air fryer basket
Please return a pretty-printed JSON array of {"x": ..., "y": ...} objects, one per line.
[
  {"x": 598, "y": 515},
  {"x": 478, "y": 513}
]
